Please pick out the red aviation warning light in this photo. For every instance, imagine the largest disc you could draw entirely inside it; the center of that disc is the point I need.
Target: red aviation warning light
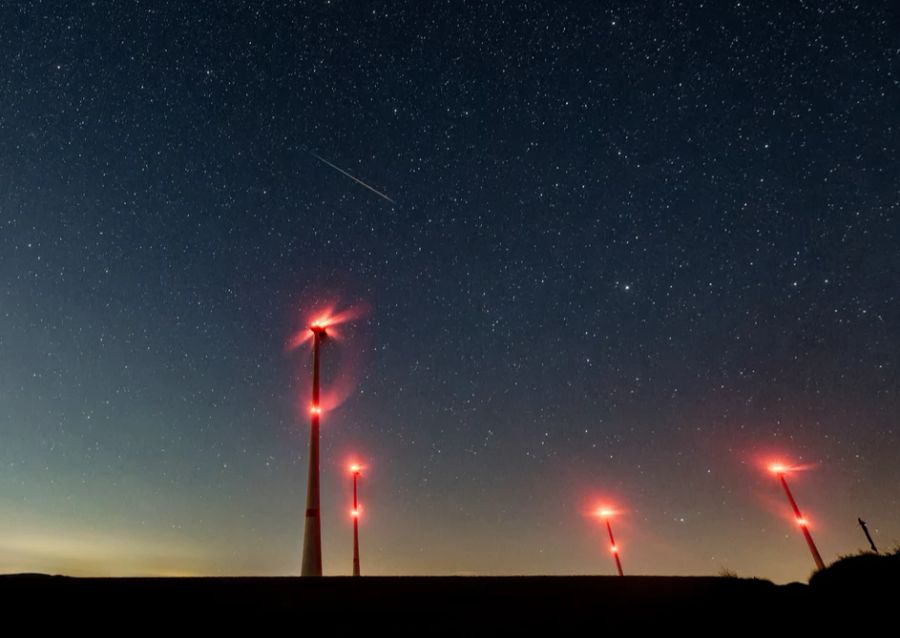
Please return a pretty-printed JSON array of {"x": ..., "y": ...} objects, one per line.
[{"x": 323, "y": 323}]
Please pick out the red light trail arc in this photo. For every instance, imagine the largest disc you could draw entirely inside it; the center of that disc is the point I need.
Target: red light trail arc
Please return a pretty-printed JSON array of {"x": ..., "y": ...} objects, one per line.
[
  {"x": 343, "y": 372},
  {"x": 326, "y": 319}
]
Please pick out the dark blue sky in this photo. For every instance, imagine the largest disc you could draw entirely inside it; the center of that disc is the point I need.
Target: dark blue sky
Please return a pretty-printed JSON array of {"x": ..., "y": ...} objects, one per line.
[{"x": 636, "y": 250}]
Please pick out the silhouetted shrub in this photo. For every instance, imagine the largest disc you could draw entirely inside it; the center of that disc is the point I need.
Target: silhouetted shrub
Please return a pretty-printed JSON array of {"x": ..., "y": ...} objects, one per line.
[{"x": 863, "y": 575}]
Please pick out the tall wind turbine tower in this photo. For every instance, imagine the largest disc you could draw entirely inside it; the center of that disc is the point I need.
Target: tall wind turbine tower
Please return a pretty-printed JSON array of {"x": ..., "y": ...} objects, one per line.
[{"x": 312, "y": 531}]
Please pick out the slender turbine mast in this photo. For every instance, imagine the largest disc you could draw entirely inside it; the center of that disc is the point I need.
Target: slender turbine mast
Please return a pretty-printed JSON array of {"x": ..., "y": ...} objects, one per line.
[
  {"x": 355, "y": 470},
  {"x": 780, "y": 470},
  {"x": 606, "y": 514},
  {"x": 312, "y": 532}
]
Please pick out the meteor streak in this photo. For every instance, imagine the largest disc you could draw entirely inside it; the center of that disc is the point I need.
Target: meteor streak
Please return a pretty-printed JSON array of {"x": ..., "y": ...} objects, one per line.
[{"x": 358, "y": 181}]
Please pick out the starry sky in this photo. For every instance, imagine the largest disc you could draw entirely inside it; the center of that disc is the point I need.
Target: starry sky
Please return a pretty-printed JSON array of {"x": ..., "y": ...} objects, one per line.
[{"x": 635, "y": 250}]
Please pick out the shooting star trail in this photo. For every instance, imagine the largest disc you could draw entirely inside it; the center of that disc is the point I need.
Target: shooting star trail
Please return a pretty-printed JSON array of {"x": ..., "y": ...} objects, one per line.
[{"x": 358, "y": 181}]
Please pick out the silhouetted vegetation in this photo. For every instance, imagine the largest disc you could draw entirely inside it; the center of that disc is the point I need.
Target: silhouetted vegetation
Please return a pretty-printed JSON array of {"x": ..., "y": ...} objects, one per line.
[
  {"x": 863, "y": 575},
  {"x": 727, "y": 572}
]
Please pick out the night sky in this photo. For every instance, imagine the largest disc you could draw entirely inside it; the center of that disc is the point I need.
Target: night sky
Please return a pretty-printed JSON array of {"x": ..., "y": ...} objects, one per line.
[{"x": 637, "y": 250}]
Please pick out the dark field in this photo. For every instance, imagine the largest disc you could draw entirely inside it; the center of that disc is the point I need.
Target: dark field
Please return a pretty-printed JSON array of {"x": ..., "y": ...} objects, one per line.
[{"x": 455, "y": 602}]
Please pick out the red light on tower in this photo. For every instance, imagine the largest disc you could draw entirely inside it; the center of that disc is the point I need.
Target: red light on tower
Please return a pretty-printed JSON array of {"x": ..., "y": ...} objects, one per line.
[
  {"x": 606, "y": 513},
  {"x": 779, "y": 470},
  {"x": 318, "y": 329},
  {"x": 312, "y": 532},
  {"x": 356, "y": 472}
]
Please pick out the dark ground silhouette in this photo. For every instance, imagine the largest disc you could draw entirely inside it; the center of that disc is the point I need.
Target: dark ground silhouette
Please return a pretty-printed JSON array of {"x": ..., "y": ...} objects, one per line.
[
  {"x": 710, "y": 604},
  {"x": 855, "y": 591}
]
